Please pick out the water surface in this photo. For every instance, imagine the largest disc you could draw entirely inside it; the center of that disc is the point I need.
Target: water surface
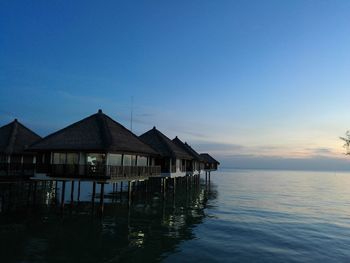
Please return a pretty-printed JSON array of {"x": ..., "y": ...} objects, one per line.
[{"x": 244, "y": 216}]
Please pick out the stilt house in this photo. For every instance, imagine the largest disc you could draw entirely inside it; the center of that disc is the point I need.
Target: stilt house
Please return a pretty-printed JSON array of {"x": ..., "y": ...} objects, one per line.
[
  {"x": 194, "y": 164},
  {"x": 173, "y": 160},
  {"x": 210, "y": 164},
  {"x": 15, "y": 139},
  {"x": 95, "y": 147}
]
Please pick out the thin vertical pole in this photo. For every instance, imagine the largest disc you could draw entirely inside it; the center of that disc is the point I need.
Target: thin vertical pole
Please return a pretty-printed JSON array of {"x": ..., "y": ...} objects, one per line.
[
  {"x": 130, "y": 192},
  {"x": 121, "y": 191},
  {"x": 34, "y": 192},
  {"x": 63, "y": 193},
  {"x": 102, "y": 198},
  {"x": 72, "y": 192},
  {"x": 79, "y": 191},
  {"x": 93, "y": 193}
]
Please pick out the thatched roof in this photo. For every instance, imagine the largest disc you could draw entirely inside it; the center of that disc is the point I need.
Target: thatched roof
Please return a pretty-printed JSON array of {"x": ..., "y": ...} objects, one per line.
[
  {"x": 163, "y": 145},
  {"x": 207, "y": 158},
  {"x": 15, "y": 138},
  {"x": 187, "y": 148},
  {"x": 97, "y": 132}
]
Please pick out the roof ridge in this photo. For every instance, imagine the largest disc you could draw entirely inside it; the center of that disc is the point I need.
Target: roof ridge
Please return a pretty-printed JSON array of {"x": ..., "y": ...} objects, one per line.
[
  {"x": 184, "y": 146},
  {"x": 103, "y": 127},
  {"x": 26, "y": 128},
  {"x": 162, "y": 137},
  {"x": 13, "y": 135},
  {"x": 130, "y": 132}
]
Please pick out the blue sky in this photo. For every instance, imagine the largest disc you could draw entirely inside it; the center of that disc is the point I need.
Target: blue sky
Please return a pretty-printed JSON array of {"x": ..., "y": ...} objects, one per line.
[{"x": 249, "y": 81}]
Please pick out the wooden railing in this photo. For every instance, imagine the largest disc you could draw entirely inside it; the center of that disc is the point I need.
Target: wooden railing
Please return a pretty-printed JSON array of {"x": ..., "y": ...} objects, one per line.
[
  {"x": 182, "y": 168},
  {"x": 102, "y": 171},
  {"x": 17, "y": 169}
]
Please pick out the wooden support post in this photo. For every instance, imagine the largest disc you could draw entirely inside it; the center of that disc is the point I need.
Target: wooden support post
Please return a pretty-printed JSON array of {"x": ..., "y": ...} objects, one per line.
[
  {"x": 63, "y": 193},
  {"x": 29, "y": 192},
  {"x": 121, "y": 191},
  {"x": 161, "y": 185},
  {"x": 174, "y": 186},
  {"x": 129, "y": 192},
  {"x": 102, "y": 193},
  {"x": 93, "y": 193},
  {"x": 72, "y": 192},
  {"x": 34, "y": 192},
  {"x": 79, "y": 191},
  {"x": 115, "y": 191}
]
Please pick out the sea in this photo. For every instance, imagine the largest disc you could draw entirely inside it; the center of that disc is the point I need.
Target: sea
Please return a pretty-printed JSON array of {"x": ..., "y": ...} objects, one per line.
[{"x": 239, "y": 216}]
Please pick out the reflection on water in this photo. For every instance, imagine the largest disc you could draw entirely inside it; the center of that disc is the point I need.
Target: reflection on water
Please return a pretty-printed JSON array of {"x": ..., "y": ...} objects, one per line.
[
  {"x": 247, "y": 216},
  {"x": 35, "y": 228}
]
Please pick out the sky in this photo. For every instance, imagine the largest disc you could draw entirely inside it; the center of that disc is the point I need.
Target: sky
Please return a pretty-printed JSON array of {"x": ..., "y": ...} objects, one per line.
[{"x": 258, "y": 84}]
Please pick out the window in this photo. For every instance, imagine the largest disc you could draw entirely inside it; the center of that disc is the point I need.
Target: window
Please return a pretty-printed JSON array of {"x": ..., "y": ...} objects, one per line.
[
  {"x": 178, "y": 163},
  {"x": 96, "y": 159},
  {"x": 141, "y": 161},
  {"x": 59, "y": 158},
  {"x": 115, "y": 159},
  {"x": 133, "y": 160},
  {"x": 127, "y": 160},
  {"x": 72, "y": 158}
]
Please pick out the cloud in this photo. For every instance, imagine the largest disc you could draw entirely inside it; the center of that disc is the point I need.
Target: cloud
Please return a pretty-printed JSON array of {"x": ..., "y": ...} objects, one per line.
[
  {"x": 217, "y": 147},
  {"x": 317, "y": 163}
]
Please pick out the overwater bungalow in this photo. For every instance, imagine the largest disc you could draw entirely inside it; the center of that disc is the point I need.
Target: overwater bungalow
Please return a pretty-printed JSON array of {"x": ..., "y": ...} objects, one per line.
[
  {"x": 195, "y": 164},
  {"x": 95, "y": 147},
  {"x": 14, "y": 141},
  {"x": 173, "y": 160},
  {"x": 210, "y": 164}
]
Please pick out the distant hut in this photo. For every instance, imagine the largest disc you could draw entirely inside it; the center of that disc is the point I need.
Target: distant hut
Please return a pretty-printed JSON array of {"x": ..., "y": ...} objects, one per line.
[
  {"x": 95, "y": 147},
  {"x": 194, "y": 164},
  {"x": 209, "y": 162},
  {"x": 14, "y": 140},
  {"x": 173, "y": 160}
]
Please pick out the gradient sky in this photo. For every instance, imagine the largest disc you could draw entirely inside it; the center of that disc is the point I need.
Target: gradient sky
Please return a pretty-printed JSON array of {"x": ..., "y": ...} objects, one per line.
[{"x": 255, "y": 83}]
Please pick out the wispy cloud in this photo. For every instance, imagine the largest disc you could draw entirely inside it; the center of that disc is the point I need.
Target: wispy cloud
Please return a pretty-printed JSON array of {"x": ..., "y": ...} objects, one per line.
[{"x": 228, "y": 149}]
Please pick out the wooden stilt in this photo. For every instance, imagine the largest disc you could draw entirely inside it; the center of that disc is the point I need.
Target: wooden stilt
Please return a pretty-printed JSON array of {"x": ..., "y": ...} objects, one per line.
[
  {"x": 63, "y": 193},
  {"x": 121, "y": 191},
  {"x": 129, "y": 192},
  {"x": 102, "y": 197},
  {"x": 34, "y": 191},
  {"x": 93, "y": 193},
  {"x": 72, "y": 192},
  {"x": 79, "y": 191}
]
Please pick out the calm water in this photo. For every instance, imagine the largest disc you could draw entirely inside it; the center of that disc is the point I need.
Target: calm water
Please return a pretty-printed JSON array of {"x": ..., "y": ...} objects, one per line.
[{"x": 245, "y": 216}]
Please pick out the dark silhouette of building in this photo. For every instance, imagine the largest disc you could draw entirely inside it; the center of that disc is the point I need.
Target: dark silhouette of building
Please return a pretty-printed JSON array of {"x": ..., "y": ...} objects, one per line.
[
  {"x": 172, "y": 158},
  {"x": 15, "y": 139},
  {"x": 96, "y": 146}
]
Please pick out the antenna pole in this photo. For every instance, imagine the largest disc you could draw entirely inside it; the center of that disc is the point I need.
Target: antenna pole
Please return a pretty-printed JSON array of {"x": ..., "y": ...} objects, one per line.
[{"x": 131, "y": 112}]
